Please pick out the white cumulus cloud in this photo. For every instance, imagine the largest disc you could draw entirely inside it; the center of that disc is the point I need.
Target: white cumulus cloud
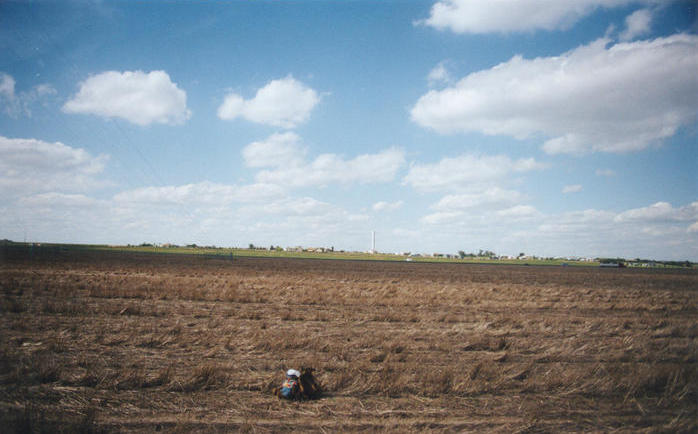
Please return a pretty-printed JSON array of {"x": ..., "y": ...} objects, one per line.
[
  {"x": 283, "y": 103},
  {"x": 505, "y": 16},
  {"x": 136, "y": 96},
  {"x": 31, "y": 166},
  {"x": 594, "y": 98}
]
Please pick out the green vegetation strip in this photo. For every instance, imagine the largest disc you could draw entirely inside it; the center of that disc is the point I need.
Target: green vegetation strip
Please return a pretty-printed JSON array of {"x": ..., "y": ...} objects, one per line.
[
  {"x": 263, "y": 253},
  {"x": 229, "y": 252}
]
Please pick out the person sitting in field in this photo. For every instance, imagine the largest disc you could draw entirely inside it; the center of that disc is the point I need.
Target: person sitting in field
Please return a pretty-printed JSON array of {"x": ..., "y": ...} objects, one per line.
[
  {"x": 299, "y": 386},
  {"x": 291, "y": 387}
]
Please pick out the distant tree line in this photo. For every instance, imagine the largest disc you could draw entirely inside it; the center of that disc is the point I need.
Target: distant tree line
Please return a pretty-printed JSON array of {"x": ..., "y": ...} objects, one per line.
[
  {"x": 684, "y": 264},
  {"x": 480, "y": 254}
]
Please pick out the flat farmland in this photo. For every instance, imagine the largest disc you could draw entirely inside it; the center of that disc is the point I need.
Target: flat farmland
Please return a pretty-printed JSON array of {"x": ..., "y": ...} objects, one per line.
[{"x": 114, "y": 341}]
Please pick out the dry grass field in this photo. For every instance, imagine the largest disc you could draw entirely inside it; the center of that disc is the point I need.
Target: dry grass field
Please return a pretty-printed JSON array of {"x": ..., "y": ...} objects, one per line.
[{"x": 103, "y": 341}]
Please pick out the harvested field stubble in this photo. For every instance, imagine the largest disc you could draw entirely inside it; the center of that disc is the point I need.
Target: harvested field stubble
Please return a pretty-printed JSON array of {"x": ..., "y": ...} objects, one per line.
[{"x": 115, "y": 341}]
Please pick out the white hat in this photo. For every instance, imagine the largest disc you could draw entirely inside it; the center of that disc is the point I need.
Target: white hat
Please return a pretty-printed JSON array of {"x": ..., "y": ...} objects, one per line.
[{"x": 293, "y": 373}]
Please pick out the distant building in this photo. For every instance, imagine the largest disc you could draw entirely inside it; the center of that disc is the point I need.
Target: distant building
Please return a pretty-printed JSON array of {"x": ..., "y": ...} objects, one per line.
[{"x": 316, "y": 249}]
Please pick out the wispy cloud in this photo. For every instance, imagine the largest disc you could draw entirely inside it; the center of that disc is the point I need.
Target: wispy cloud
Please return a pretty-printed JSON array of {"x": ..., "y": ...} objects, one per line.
[
  {"x": 198, "y": 194},
  {"x": 491, "y": 197},
  {"x": 277, "y": 150},
  {"x": 286, "y": 165},
  {"x": 575, "y": 188},
  {"x": 15, "y": 104},
  {"x": 467, "y": 171},
  {"x": 439, "y": 75},
  {"x": 636, "y": 24},
  {"x": 660, "y": 212},
  {"x": 605, "y": 172},
  {"x": 383, "y": 206}
]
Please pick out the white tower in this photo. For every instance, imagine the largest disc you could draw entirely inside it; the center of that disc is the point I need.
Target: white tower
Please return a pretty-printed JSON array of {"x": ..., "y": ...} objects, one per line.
[{"x": 373, "y": 241}]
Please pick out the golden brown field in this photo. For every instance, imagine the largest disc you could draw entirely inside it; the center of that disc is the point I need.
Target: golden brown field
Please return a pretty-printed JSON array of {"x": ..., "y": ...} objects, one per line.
[{"x": 135, "y": 342}]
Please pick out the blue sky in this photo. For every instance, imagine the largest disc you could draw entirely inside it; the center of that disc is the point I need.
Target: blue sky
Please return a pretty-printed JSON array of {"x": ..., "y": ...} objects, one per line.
[{"x": 547, "y": 127}]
